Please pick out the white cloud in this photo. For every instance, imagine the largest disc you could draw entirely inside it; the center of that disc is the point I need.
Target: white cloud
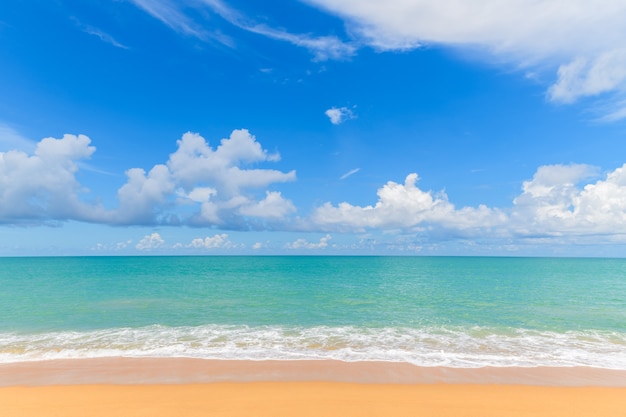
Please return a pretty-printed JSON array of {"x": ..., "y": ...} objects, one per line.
[
  {"x": 170, "y": 14},
  {"x": 219, "y": 241},
  {"x": 272, "y": 206},
  {"x": 617, "y": 112},
  {"x": 304, "y": 244},
  {"x": 215, "y": 181},
  {"x": 197, "y": 185},
  {"x": 523, "y": 26},
  {"x": 583, "y": 38},
  {"x": 338, "y": 115},
  {"x": 403, "y": 206},
  {"x": 322, "y": 47},
  {"x": 153, "y": 241},
  {"x": 198, "y": 194},
  {"x": 556, "y": 202},
  {"x": 585, "y": 77},
  {"x": 42, "y": 186},
  {"x": 142, "y": 195},
  {"x": 123, "y": 245},
  {"x": 580, "y": 40},
  {"x": 104, "y": 37},
  {"x": 109, "y": 247},
  {"x": 553, "y": 203},
  {"x": 195, "y": 161},
  {"x": 349, "y": 173},
  {"x": 173, "y": 15},
  {"x": 555, "y": 182},
  {"x": 201, "y": 185}
]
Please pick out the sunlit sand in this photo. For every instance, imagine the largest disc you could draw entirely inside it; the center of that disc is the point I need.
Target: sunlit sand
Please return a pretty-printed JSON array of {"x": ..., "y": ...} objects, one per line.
[{"x": 137, "y": 387}]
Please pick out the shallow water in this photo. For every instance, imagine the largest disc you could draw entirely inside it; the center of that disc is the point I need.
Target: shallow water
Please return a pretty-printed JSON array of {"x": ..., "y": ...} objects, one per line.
[{"x": 430, "y": 311}]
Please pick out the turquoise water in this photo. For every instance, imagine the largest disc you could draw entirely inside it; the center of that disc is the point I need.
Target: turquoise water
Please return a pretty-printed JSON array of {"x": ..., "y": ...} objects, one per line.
[{"x": 431, "y": 311}]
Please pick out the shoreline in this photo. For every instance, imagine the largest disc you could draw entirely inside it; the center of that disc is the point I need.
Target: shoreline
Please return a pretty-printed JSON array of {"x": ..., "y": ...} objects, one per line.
[
  {"x": 170, "y": 387},
  {"x": 141, "y": 371}
]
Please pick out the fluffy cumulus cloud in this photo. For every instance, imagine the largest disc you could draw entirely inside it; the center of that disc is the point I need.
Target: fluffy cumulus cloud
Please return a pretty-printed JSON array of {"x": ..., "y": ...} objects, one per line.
[
  {"x": 214, "y": 185},
  {"x": 582, "y": 40},
  {"x": 142, "y": 196},
  {"x": 149, "y": 242},
  {"x": 405, "y": 206},
  {"x": 304, "y": 244},
  {"x": 216, "y": 180},
  {"x": 42, "y": 186},
  {"x": 223, "y": 187},
  {"x": 272, "y": 206},
  {"x": 219, "y": 241},
  {"x": 559, "y": 201},
  {"x": 553, "y": 203},
  {"x": 197, "y": 185}
]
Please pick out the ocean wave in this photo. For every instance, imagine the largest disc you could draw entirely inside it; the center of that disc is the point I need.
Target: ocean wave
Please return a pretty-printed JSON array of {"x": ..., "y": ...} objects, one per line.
[{"x": 434, "y": 346}]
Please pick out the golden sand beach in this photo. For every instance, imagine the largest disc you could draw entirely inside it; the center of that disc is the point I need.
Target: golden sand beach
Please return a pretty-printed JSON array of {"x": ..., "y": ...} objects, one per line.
[
  {"x": 138, "y": 387},
  {"x": 273, "y": 399}
]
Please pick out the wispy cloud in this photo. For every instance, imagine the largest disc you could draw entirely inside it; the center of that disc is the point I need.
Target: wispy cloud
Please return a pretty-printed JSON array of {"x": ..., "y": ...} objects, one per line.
[
  {"x": 349, "y": 173},
  {"x": 11, "y": 139},
  {"x": 104, "y": 37},
  {"x": 618, "y": 113},
  {"x": 322, "y": 47},
  {"x": 172, "y": 14},
  {"x": 169, "y": 13}
]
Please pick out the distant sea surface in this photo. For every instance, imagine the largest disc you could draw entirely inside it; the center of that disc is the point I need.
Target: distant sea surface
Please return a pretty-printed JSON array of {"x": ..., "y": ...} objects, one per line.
[{"x": 429, "y": 311}]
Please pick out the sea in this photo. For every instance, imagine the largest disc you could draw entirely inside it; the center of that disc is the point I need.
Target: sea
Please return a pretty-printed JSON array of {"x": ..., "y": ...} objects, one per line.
[{"x": 459, "y": 312}]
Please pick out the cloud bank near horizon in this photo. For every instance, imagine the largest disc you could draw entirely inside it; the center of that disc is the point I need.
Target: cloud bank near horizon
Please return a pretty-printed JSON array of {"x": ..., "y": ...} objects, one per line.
[
  {"x": 553, "y": 204},
  {"x": 197, "y": 186},
  {"x": 215, "y": 187}
]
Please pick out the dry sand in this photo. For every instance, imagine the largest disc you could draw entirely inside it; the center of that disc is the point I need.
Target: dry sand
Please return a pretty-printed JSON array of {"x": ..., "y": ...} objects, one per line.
[
  {"x": 310, "y": 399},
  {"x": 138, "y": 387}
]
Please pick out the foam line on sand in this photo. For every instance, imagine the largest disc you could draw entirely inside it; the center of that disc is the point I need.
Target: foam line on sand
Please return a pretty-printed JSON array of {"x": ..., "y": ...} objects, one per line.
[{"x": 187, "y": 370}]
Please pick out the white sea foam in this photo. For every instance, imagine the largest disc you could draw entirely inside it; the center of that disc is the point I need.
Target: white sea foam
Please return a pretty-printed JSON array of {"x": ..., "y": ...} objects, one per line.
[{"x": 436, "y": 346}]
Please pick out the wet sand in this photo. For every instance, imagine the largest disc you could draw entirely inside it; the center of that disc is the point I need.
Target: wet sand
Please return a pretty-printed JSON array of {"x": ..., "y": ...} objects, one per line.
[
  {"x": 187, "y": 370},
  {"x": 190, "y": 387}
]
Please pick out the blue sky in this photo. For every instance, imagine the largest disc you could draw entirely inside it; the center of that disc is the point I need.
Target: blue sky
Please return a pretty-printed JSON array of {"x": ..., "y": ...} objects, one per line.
[{"x": 408, "y": 127}]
